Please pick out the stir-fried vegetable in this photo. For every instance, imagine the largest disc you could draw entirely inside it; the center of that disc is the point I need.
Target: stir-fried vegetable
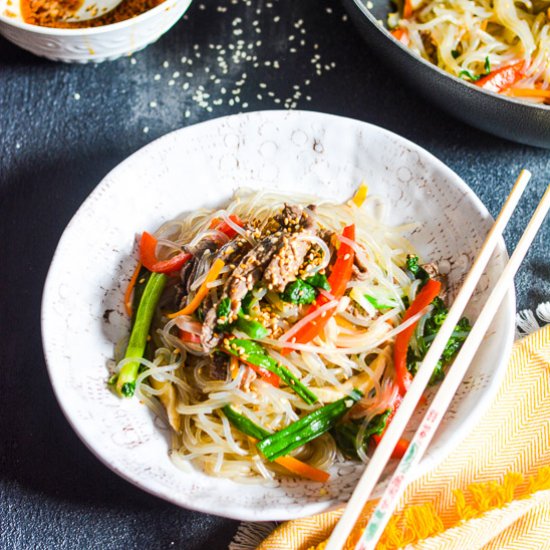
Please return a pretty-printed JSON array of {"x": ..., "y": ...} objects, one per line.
[
  {"x": 338, "y": 280},
  {"x": 307, "y": 428},
  {"x": 244, "y": 424},
  {"x": 502, "y": 79},
  {"x": 345, "y": 434},
  {"x": 416, "y": 270},
  {"x": 126, "y": 379},
  {"x": 251, "y": 352},
  {"x": 400, "y": 448},
  {"x": 423, "y": 341},
  {"x": 299, "y": 292},
  {"x": 252, "y": 328},
  {"x": 219, "y": 224},
  {"x": 217, "y": 266},
  {"x": 423, "y": 299},
  {"x": 360, "y": 195},
  {"x": 148, "y": 256},
  {"x": 292, "y": 464},
  {"x": 319, "y": 280}
]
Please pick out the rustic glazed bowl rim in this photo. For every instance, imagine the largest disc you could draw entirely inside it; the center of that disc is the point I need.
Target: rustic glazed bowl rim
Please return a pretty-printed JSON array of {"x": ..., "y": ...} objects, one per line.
[
  {"x": 53, "y": 31},
  {"x": 520, "y": 103}
]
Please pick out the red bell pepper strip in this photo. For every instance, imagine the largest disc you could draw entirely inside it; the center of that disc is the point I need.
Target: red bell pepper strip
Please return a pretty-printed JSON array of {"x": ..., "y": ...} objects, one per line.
[
  {"x": 423, "y": 299},
  {"x": 268, "y": 376},
  {"x": 221, "y": 225},
  {"x": 399, "y": 450},
  {"x": 501, "y": 79},
  {"x": 338, "y": 280},
  {"x": 148, "y": 256},
  {"x": 402, "y": 445}
]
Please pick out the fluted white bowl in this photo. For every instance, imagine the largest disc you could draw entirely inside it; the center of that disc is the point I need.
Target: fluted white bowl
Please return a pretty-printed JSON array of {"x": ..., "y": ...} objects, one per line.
[{"x": 90, "y": 44}]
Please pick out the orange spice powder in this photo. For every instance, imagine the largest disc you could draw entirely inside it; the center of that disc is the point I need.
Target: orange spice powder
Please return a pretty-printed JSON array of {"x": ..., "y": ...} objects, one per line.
[{"x": 51, "y": 13}]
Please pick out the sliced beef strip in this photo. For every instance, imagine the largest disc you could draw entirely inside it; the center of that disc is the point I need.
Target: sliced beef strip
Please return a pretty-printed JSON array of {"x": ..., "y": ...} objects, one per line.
[
  {"x": 219, "y": 366},
  {"x": 245, "y": 275},
  {"x": 279, "y": 252},
  {"x": 285, "y": 265}
]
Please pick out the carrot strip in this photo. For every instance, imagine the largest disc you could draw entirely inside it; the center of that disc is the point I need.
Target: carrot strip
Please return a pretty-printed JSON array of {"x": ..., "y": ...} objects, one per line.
[
  {"x": 130, "y": 289},
  {"x": 407, "y": 9},
  {"x": 302, "y": 469},
  {"x": 299, "y": 468},
  {"x": 217, "y": 266},
  {"x": 530, "y": 92}
]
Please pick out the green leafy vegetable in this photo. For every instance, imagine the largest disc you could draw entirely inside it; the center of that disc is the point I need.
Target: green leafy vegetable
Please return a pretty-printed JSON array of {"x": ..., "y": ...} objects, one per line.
[
  {"x": 318, "y": 281},
  {"x": 254, "y": 353},
  {"x": 433, "y": 323},
  {"x": 299, "y": 292},
  {"x": 345, "y": 433},
  {"x": 487, "y": 65},
  {"x": 417, "y": 271},
  {"x": 455, "y": 54},
  {"x": 307, "y": 428},
  {"x": 223, "y": 310}
]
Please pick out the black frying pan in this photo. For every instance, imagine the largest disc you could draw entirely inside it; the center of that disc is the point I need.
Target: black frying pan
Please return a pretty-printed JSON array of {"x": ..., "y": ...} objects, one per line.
[{"x": 503, "y": 116}]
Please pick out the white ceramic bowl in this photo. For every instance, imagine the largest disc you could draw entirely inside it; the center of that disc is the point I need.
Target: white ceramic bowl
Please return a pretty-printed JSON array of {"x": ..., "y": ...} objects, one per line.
[
  {"x": 92, "y": 44},
  {"x": 200, "y": 166}
]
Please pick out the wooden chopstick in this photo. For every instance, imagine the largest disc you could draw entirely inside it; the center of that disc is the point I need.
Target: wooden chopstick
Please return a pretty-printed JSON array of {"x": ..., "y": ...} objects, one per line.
[
  {"x": 439, "y": 405},
  {"x": 382, "y": 454}
]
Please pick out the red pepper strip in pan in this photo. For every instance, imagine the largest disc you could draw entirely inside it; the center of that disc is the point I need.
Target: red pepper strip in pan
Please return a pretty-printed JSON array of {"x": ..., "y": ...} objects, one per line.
[
  {"x": 148, "y": 256},
  {"x": 423, "y": 299},
  {"x": 338, "y": 280},
  {"x": 221, "y": 225},
  {"x": 407, "y": 9},
  {"x": 501, "y": 79}
]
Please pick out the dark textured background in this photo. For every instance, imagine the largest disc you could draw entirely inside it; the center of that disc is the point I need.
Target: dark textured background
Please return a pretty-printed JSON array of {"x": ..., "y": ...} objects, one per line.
[{"x": 55, "y": 148}]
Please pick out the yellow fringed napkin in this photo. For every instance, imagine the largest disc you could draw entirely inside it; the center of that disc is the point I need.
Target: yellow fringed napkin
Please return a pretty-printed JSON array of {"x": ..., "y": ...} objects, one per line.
[{"x": 492, "y": 492}]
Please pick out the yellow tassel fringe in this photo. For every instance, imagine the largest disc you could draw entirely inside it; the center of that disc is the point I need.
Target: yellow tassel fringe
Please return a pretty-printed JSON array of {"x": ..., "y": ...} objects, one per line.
[{"x": 420, "y": 522}]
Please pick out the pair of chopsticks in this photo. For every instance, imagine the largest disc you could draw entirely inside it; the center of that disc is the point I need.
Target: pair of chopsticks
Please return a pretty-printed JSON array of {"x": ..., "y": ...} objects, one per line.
[{"x": 448, "y": 387}]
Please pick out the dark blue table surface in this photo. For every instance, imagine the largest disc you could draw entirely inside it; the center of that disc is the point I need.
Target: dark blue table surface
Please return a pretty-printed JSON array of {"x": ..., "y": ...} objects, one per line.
[{"x": 63, "y": 127}]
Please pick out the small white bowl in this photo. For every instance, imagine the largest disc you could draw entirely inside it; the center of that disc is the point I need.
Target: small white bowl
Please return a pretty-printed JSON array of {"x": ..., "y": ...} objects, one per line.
[{"x": 95, "y": 44}]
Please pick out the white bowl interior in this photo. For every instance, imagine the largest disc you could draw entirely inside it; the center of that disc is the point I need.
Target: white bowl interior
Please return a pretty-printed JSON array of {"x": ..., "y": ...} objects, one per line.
[{"x": 201, "y": 166}]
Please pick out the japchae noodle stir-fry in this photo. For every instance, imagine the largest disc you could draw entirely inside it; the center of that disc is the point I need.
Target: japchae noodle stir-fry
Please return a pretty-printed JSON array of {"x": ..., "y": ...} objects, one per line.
[
  {"x": 278, "y": 335},
  {"x": 500, "y": 45}
]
